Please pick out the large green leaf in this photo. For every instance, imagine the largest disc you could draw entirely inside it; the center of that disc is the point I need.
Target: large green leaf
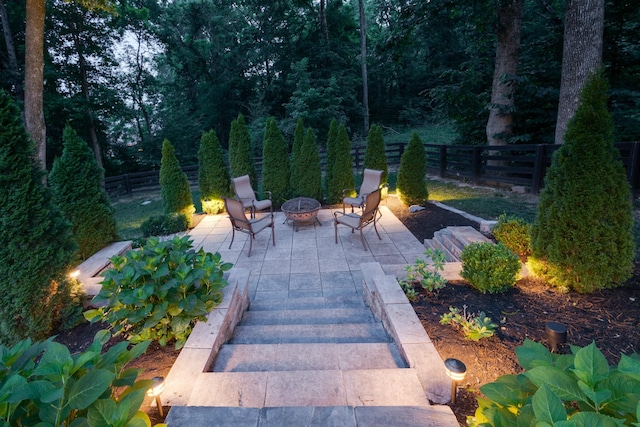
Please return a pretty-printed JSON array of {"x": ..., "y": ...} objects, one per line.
[
  {"x": 14, "y": 389},
  {"x": 505, "y": 390},
  {"x": 629, "y": 366},
  {"x": 56, "y": 361},
  {"x": 532, "y": 354},
  {"x": 102, "y": 413},
  {"x": 597, "y": 397},
  {"x": 590, "y": 365},
  {"x": 592, "y": 419},
  {"x": 547, "y": 406},
  {"x": 89, "y": 388},
  {"x": 560, "y": 382},
  {"x": 500, "y": 417}
]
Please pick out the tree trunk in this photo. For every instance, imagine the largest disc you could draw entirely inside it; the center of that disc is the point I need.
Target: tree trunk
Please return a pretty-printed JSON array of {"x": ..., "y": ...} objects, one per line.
[
  {"x": 34, "y": 79},
  {"x": 363, "y": 64},
  {"x": 11, "y": 51},
  {"x": 581, "y": 55},
  {"x": 323, "y": 22},
  {"x": 499, "y": 126}
]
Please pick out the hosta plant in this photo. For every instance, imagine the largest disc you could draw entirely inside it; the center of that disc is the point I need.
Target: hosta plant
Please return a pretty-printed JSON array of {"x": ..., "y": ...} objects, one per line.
[
  {"x": 473, "y": 327},
  {"x": 159, "y": 291},
  {"x": 577, "y": 389},
  {"x": 43, "y": 384}
]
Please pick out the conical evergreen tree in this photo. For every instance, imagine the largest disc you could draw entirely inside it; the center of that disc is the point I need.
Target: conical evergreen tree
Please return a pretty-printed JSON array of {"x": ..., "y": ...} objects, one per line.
[
  {"x": 411, "y": 187},
  {"x": 342, "y": 170},
  {"x": 275, "y": 163},
  {"x": 213, "y": 176},
  {"x": 176, "y": 193},
  {"x": 309, "y": 164},
  {"x": 332, "y": 136},
  {"x": 582, "y": 236},
  {"x": 375, "y": 156},
  {"x": 37, "y": 248},
  {"x": 298, "y": 140},
  {"x": 76, "y": 181},
  {"x": 233, "y": 145},
  {"x": 241, "y": 160}
]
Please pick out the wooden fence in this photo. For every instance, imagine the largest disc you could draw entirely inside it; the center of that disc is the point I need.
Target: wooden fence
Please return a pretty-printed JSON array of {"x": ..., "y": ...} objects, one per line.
[{"x": 511, "y": 165}]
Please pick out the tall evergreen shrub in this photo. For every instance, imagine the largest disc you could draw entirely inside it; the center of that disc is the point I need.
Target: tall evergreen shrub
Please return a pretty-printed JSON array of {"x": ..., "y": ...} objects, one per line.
[
  {"x": 176, "y": 193},
  {"x": 76, "y": 181},
  {"x": 411, "y": 187},
  {"x": 37, "y": 248},
  {"x": 298, "y": 140},
  {"x": 275, "y": 163},
  {"x": 241, "y": 160},
  {"x": 309, "y": 168},
  {"x": 342, "y": 170},
  {"x": 332, "y": 136},
  {"x": 375, "y": 156},
  {"x": 582, "y": 236},
  {"x": 213, "y": 176}
]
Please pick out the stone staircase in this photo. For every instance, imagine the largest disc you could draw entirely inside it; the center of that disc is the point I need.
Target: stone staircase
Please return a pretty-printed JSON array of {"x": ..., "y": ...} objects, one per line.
[{"x": 452, "y": 240}]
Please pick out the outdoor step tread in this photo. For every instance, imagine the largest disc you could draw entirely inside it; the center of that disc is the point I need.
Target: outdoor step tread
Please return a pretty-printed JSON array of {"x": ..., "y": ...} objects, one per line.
[
  {"x": 302, "y": 303},
  {"x": 310, "y": 356},
  {"x": 310, "y": 316},
  {"x": 325, "y": 333}
]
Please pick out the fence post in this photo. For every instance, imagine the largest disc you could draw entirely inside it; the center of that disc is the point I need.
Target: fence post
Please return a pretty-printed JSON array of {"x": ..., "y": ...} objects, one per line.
[
  {"x": 127, "y": 185},
  {"x": 538, "y": 169},
  {"x": 443, "y": 160},
  {"x": 475, "y": 163},
  {"x": 357, "y": 157},
  {"x": 401, "y": 146}
]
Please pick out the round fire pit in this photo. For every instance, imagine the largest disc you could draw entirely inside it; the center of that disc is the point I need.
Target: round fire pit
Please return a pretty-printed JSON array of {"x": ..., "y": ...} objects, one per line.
[{"x": 301, "y": 210}]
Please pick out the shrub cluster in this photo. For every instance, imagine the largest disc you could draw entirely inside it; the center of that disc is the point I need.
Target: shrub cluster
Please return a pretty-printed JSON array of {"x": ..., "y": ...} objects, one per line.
[
  {"x": 296, "y": 147},
  {"x": 42, "y": 383},
  {"x": 76, "y": 182},
  {"x": 474, "y": 327},
  {"x": 158, "y": 291},
  {"x": 488, "y": 267},
  {"x": 240, "y": 157},
  {"x": 411, "y": 187},
  {"x": 162, "y": 225},
  {"x": 310, "y": 184},
  {"x": 514, "y": 233}
]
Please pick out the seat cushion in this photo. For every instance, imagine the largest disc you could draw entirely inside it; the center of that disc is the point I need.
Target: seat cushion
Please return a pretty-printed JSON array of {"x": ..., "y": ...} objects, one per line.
[
  {"x": 351, "y": 220},
  {"x": 262, "y": 204},
  {"x": 257, "y": 225},
  {"x": 355, "y": 201}
]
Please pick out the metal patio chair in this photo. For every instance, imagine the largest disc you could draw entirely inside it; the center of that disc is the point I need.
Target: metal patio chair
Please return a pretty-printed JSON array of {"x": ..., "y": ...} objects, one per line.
[
  {"x": 371, "y": 181},
  {"x": 252, "y": 226},
  {"x": 244, "y": 193},
  {"x": 359, "y": 221}
]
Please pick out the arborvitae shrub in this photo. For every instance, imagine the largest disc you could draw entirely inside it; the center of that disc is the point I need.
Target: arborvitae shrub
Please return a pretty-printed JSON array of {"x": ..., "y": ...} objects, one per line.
[
  {"x": 241, "y": 160},
  {"x": 582, "y": 236},
  {"x": 342, "y": 171},
  {"x": 275, "y": 164},
  {"x": 331, "y": 154},
  {"x": 37, "y": 248},
  {"x": 176, "y": 193},
  {"x": 375, "y": 156},
  {"x": 309, "y": 168},
  {"x": 514, "y": 233},
  {"x": 411, "y": 187},
  {"x": 213, "y": 176},
  {"x": 489, "y": 268},
  {"x": 76, "y": 182},
  {"x": 298, "y": 140}
]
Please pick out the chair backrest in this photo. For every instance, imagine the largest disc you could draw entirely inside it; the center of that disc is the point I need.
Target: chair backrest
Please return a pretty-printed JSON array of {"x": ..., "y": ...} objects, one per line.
[
  {"x": 243, "y": 189},
  {"x": 235, "y": 209},
  {"x": 370, "y": 181},
  {"x": 371, "y": 206}
]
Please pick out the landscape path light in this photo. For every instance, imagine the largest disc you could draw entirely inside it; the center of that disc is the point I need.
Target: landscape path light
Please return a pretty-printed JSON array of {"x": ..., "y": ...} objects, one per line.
[
  {"x": 456, "y": 370},
  {"x": 155, "y": 391},
  {"x": 557, "y": 334}
]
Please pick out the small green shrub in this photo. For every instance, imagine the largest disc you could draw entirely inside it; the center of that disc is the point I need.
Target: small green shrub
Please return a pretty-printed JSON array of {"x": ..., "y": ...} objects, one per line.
[
  {"x": 44, "y": 384},
  {"x": 240, "y": 157},
  {"x": 409, "y": 290},
  {"x": 577, "y": 389},
  {"x": 488, "y": 267},
  {"x": 514, "y": 233},
  {"x": 296, "y": 147},
  {"x": 426, "y": 272},
  {"x": 411, "y": 186},
  {"x": 158, "y": 291},
  {"x": 473, "y": 327},
  {"x": 162, "y": 225},
  {"x": 332, "y": 137}
]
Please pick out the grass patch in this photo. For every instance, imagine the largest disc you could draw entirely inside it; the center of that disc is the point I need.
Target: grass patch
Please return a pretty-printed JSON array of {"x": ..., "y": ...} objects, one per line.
[{"x": 430, "y": 133}]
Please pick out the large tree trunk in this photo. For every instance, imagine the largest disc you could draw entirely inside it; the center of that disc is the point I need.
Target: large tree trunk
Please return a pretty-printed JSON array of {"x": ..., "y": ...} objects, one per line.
[
  {"x": 363, "y": 64},
  {"x": 581, "y": 55},
  {"x": 34, "y": 79},
  {"x": 11, "y": 51},
  {"x": 499, "y": 125}
]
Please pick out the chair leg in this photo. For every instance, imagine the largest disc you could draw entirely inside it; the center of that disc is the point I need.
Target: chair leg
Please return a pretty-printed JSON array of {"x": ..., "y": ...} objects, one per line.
[
  {"x": 233, "y": 236},
  {"x": 251, "y": 237},
  {"x": 364, "y": 245},
  {"x": 376, "y": 228},
  {"x": 335, "y": 226},
  {"x": 273, "y": 235}
]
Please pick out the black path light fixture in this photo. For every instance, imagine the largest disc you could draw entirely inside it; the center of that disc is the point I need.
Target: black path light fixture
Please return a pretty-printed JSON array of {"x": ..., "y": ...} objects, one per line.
[
  {"x": 557, "y": 334},
  {"x": 155, "y": 391},
  {"x": 456, "y": 370}
]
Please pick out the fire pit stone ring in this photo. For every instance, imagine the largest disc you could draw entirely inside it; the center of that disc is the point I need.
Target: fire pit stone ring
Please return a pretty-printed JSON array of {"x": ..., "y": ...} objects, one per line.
[{"x": 301, "y": 210}]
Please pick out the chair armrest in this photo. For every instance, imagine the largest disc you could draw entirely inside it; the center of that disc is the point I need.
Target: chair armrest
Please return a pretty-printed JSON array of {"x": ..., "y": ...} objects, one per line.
[
  {"x": 268, "y": 193},
  {"x": 344, "y": 191}
]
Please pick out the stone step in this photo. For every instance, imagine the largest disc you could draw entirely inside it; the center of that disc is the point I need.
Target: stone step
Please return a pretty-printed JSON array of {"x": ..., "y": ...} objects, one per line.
[
  {"x": 307, "y": 317},
  {"x": 324, "y": 333},
  {"x": 453, "y": 240},
  {"x": 367, "y": 387},
  {"x": 304, "y": 303},
  {"x": 307, "y": 357},
  {"x": 308, "y": 416},
  {"x": 435, "y": 244}
]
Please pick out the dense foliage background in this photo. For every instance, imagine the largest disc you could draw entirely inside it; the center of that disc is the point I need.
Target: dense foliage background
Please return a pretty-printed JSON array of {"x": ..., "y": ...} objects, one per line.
[{"x": 158, "y": 70}]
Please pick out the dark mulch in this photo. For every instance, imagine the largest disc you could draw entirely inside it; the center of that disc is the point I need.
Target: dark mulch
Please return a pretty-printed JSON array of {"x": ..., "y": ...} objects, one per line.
[{"x": 610, "y": 318}]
